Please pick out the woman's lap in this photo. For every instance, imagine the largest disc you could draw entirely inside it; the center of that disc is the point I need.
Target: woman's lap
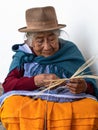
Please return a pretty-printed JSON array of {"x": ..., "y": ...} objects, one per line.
[{"x": 26, "y": 113}]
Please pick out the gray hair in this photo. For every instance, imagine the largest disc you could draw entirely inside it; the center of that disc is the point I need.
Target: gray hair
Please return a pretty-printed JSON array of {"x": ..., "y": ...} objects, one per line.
[
  {"x": 30, "y": 36},
  {"x": 59, "y": 33}
]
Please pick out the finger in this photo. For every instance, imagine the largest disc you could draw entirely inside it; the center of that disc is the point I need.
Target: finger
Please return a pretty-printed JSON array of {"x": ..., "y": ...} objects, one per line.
[
  {"x": 75, "y": 87},
  {"x": 76, "y": 80},
  {"x": 72, "y": 84}
]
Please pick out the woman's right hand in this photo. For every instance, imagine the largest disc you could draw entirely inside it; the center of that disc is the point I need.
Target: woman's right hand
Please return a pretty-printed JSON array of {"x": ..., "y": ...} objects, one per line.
[{"x": 40, "y": 79}]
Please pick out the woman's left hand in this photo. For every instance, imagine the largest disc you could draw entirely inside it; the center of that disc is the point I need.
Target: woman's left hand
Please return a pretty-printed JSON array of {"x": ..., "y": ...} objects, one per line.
[{"x": 77, "y": 85}]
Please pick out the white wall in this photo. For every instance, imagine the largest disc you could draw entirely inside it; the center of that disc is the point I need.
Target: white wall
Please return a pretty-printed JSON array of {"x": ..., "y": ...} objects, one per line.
[{"x": 80, "y": 16}]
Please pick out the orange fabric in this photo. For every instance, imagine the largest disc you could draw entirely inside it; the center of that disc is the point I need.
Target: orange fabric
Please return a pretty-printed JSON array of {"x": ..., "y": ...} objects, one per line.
[{"x": 24, "y": 113}]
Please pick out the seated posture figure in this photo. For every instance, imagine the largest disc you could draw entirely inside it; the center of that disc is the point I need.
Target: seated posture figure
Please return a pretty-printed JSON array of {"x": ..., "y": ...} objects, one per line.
[{"x": 27, "y": 102}]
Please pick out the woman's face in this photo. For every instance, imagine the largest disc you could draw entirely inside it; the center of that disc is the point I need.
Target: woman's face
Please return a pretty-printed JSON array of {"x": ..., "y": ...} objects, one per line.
[{"x": 45, "y": 44}]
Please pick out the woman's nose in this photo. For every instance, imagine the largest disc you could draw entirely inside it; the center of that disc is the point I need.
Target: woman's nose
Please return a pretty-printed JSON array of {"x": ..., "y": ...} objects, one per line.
[{"x": 46, "y": 45}]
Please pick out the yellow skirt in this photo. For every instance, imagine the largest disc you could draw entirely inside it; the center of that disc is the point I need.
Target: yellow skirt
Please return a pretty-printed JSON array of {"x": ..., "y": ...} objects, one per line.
[{"x": 24, "y": 113}]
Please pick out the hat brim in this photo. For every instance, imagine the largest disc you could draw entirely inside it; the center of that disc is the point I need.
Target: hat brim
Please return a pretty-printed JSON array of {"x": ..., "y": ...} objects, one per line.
[{"x": 25, "y": 29}]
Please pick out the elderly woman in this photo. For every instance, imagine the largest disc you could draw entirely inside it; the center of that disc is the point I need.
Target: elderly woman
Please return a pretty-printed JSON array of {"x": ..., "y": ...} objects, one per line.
[{"x": 28, "y": 103}]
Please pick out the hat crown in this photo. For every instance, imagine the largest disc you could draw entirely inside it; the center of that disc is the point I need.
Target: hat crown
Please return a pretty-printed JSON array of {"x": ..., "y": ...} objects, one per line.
[
  {"x": 41, "y": 14},
  {"x": 41, "y": 17}
]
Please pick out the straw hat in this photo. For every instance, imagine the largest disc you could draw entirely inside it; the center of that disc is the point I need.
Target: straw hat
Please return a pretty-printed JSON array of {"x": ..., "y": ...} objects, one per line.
[{"x": 41, "y": 19}]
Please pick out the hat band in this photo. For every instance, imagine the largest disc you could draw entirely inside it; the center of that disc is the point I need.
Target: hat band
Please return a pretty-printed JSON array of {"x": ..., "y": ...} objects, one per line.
[{"x": 41, "y": 25}]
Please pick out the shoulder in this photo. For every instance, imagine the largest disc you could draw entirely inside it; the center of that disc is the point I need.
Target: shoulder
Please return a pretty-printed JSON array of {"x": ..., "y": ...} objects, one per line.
[
  {"x": 15, "y": 47},
  {"x": 21, "y": 49},
  {"x": 68, "y": 44}
]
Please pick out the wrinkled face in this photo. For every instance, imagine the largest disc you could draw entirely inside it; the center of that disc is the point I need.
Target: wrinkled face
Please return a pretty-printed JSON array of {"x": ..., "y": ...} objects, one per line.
[{"x": 45, "y": 44}]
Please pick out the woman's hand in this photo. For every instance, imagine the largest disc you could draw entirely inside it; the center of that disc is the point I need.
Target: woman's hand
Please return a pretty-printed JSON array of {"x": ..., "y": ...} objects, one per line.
[
  {"x": 40, "y": 79},
  {"x": 77, "y": 85}
]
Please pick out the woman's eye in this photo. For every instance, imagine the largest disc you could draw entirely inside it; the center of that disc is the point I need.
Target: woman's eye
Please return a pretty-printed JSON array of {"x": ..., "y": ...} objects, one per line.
[
  {"x": 39, "y": 42},
  {"x": 52, "y": 39}
]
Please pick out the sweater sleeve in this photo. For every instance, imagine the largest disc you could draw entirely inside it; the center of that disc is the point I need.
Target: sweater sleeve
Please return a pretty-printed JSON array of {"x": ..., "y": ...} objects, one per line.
[
  {"x": 90, "y": 89},
  {"x": 16, "y": 81}
]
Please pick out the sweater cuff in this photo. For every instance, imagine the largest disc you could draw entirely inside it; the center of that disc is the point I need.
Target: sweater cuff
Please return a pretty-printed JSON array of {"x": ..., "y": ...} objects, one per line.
[{"x": 90, "y": 89}]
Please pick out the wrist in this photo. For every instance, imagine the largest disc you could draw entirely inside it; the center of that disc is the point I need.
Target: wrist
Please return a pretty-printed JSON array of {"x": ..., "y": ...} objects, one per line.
[{"x": 85, "y": 88}]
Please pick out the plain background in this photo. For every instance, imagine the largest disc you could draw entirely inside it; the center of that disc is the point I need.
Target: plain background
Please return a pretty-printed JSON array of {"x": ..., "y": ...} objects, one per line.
[{"x": 80, "y": 16}]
